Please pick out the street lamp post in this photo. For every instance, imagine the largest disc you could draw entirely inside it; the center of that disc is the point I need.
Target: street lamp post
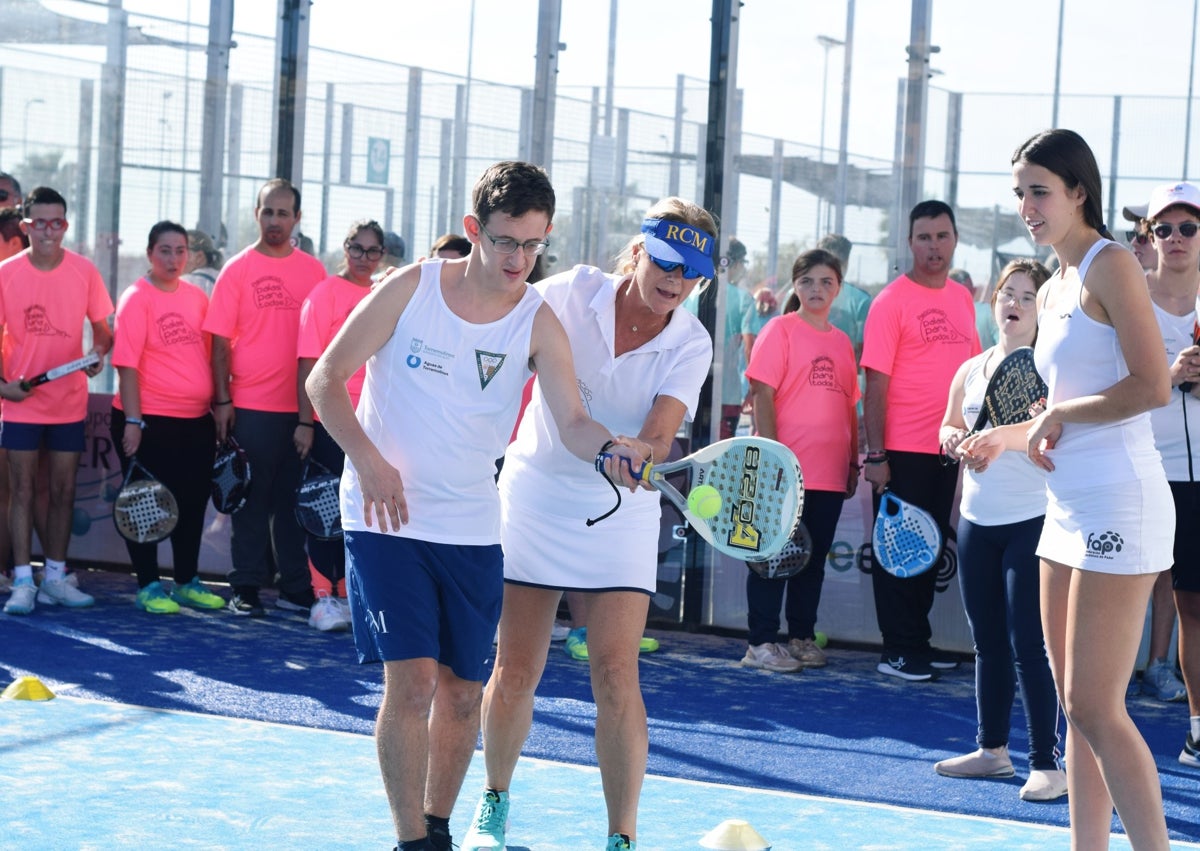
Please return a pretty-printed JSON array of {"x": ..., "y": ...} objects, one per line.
[
  {"x": 25, "y": 128},
  {"x": 162, "y": 150},
  {"x": 827, "y": 42}
]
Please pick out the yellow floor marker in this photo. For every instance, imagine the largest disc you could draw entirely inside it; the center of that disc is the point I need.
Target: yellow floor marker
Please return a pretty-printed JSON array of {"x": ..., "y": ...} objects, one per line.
[{"x": 27, "y": 688}]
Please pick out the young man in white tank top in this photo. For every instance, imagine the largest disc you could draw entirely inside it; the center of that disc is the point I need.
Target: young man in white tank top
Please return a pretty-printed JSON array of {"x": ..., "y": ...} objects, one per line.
[{"x": 450, "y": 344}]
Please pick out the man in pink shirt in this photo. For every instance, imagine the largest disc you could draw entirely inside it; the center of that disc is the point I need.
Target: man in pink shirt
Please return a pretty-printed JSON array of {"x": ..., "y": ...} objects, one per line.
[
  {"x": 254, "y": 318},
  {"x": 918, "y": 332},
  {"x": 46, "y": 295}
]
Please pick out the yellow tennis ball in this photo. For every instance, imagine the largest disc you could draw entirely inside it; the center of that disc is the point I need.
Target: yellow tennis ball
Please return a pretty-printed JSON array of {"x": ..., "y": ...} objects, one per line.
[
  {"x": 821, "y": 639},
  {"x": 704, "y": 501}
]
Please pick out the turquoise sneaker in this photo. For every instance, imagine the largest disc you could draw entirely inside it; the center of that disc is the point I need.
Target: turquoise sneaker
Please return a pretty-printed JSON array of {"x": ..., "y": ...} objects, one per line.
[
  {"x": 154, "y": 599},
  {"x": 490, "y": 823},
  {"x": 620, "y": 842},
  {"x": 576, "y": 644},
  {"x": 196, "y": 595}
]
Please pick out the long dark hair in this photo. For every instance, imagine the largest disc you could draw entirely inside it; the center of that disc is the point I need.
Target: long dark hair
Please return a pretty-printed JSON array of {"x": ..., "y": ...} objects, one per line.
[{"x": 1066, "y": 154}]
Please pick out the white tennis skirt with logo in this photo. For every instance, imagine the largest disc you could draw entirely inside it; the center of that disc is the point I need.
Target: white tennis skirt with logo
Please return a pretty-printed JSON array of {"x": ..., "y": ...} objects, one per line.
[{"x": 1125, "y": 528}]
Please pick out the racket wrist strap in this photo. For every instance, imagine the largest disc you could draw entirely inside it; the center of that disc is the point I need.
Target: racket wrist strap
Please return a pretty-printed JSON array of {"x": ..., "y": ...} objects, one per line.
[
  {"x": 134, "y": 421},
  {"x": 602, "y": 455}
]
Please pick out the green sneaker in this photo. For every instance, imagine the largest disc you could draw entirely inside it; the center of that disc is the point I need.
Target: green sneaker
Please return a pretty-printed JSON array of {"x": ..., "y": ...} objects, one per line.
[
  {"x": 154, "y": 599},
  {"x": 490, "y": 823},
  {"x": 620, "y": 842},
  {"x": 197, "y": 596},
  {"x": 576, "y": 644}
]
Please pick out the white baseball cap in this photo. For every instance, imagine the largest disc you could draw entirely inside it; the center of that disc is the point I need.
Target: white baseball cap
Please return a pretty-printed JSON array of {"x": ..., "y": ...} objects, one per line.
[{"x": 1170, "y": 194}]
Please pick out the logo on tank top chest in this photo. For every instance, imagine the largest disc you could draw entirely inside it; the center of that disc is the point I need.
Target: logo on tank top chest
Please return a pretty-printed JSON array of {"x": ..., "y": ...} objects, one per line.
[
  {"x": 488, "y": 364},
  {"x": 1105, "y": 546},
  {"x": 270, "y": 293},
  {"x": 173, "y": 330},
  {"x": 936, "y": 327},
  {"x": 434, "y": 360}
]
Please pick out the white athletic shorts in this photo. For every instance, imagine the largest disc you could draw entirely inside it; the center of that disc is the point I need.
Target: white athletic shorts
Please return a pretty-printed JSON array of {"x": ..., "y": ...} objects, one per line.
[{"x": 1125, "y": 528}]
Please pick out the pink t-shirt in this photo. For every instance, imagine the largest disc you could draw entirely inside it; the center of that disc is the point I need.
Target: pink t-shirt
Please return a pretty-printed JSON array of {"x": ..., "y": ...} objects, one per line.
[
  {"x": 256, "y": 305},
  {"x": 919, "y": 336},
  {"x": 324, "y": 313},
  {"x": 158, "y": 334},
  {"x": 816, "y": 388},
  {"x": 43, "y": 314}
]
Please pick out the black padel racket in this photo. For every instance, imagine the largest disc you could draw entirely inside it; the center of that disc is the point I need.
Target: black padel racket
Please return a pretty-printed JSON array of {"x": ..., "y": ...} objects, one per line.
[
  {"x": 1013, "y": 389},
  {"x": 761, "y": 489},
  {"x": 230, "y": 478},
  {"x": 318, "y": 507},
  {"x": 145, "y": 510},
  {"x": 792, "y": 559}
]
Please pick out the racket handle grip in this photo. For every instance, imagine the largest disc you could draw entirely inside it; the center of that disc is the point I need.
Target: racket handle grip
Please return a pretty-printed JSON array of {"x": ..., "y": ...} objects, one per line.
[
  {"x": 1186, "y": 386},
  {"x": 26, "y": 385},
  {"x": 642, "y": 473}
]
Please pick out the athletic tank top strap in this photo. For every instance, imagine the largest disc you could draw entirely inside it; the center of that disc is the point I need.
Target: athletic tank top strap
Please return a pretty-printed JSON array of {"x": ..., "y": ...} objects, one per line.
[{"x": 1086, "y": 262}]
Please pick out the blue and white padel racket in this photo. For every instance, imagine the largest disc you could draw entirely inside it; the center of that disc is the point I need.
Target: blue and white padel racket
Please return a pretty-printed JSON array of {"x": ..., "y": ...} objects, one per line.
[
  {"x": 907, "y": 540},
  {"x": 761, "y": 488}
]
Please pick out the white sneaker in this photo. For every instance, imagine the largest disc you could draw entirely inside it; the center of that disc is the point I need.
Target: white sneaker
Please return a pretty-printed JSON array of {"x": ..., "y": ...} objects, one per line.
[
  {"x": 20, "y": 602},
  {"x": 5, "y": 582},
  {"x": 559, "y": 631},
  {"x": 770, "y": 657},
  {"x": 1044, "y": 785},
  {"x": 327, "y": 615},
  {"x": 60, "y": 592}
]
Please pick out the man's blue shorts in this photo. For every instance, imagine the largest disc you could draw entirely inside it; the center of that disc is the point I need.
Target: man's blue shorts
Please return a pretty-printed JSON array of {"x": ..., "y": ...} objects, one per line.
[
  {"x": 27, "y": 437},
  {"x": 412, "y": 599}
]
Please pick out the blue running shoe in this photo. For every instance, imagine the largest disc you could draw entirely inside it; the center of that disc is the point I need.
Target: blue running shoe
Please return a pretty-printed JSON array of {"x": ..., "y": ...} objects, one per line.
[
  {"x": 620, "y": 842},
  {"x": 576, "y": 644}
]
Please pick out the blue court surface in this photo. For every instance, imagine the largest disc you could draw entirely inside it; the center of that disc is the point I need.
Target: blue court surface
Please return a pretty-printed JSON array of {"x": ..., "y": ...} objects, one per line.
[{"x": 210, "y": 731}]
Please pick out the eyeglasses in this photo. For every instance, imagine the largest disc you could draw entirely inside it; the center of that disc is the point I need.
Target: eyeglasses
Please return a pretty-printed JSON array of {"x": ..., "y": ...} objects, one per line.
[
  {"x": 667, "y": 266},
  {"x": 47, "y": 224},
  {"x": 1186, "y": 229},
  {"x": 358, "y": 252},
  {"x": 1132, "y": 236},
  {"x": 1025, "y": 300},
  {"x": 508, "y": 245}
]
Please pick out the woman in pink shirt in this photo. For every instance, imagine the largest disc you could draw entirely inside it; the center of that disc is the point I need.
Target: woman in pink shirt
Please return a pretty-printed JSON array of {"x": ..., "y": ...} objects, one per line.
[
  {"x": 321, "y": 317},
  {"x": 804, "y": 383},
  {"x": 162, "y": 413}
]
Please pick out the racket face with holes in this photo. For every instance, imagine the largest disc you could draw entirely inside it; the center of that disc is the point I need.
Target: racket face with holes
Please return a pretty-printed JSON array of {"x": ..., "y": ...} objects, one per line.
[
  {"x": 792, "y": 559},
  {"x": 230, "y": 478},
  {"x": 1013, "y": 389},
  {"x": 318, "y": 507},
  {"x": 145, "y": 511},
  {"x": 906, "y": 540},
  {"x": 761, "y": 489}
]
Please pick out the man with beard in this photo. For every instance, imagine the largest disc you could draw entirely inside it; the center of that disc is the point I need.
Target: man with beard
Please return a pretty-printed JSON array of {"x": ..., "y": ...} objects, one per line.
[
  {"x": 255, "y": 320},
  {"x": 917, "y": 334}
]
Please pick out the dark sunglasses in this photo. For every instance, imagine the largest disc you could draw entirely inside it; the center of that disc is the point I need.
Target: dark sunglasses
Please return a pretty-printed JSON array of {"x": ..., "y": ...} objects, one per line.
[
  {"x": 667, "y": 266},
  {"x": 1132, "y": 236},
  {"x": 1186, "y": 229}
]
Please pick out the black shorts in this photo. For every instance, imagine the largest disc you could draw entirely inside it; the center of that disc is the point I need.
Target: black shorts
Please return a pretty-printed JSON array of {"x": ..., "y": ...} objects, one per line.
[{"x": 1185, "y": 572}]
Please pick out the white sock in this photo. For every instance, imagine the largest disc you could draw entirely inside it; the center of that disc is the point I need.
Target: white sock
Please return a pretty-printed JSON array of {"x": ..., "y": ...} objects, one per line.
[
  {"x": 23, "y": 571},
  {"x": 1195, "y": 719},
  {"x": 56, "y": 571}
]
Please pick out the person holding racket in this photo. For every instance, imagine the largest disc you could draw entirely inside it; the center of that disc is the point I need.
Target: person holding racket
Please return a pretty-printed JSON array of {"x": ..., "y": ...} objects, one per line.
[
  {"x": 321, "y": 317},
  {"x": 47, "y": 295},
  {"x": 919, "y": 330},
  {"x": 804, "y": 384},
  {"x": 1110, "y": 520},
  {"x": 1000, "y": 520},
  {"x": 162, "y": 412},
  {"x": 448, "y": 346},
  {"x": 639, "y": 364},
  {"x": 1174, "y": 225},
  {"x": 254, "y": 320}
]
